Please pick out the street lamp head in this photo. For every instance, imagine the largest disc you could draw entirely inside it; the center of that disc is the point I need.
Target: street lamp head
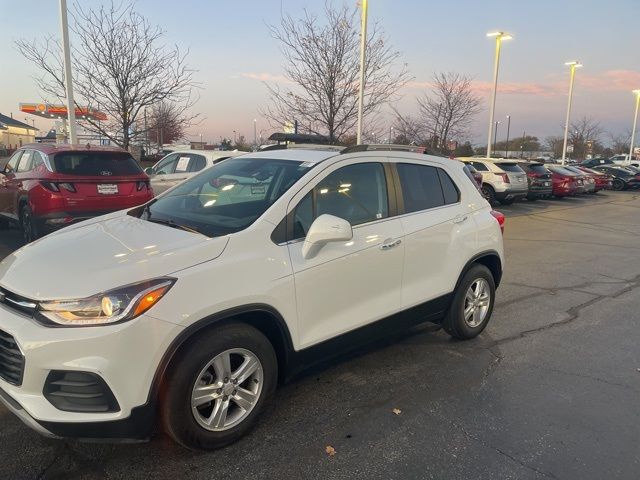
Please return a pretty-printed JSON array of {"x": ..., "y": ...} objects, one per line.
[
  {"x": 500, "y": 35},
  {"x": 574, "y": 63}
]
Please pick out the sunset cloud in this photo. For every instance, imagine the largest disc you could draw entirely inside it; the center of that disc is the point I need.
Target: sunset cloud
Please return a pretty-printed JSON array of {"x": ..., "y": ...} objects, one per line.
[{"x": 265, "y": 77}]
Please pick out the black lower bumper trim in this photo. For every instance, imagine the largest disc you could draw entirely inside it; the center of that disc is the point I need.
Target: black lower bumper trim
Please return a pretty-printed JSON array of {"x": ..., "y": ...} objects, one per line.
[{"x": 138, "y": 426}]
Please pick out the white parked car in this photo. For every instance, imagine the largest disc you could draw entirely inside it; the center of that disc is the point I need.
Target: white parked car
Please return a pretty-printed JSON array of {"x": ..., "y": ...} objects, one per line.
[
  {"x": 193, "y": 306},
  {"x": 623, "y": 159},
  {"x": 502, "y": 180},
  {"x": 182, "y": 164}
]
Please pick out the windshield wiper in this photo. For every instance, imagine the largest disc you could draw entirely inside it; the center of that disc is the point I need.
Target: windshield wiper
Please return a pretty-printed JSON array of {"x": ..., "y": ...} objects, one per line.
[{"x": 172, "y": 224}]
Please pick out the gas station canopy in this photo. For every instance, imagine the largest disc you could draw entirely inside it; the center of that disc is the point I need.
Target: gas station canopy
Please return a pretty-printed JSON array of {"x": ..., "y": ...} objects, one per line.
[{"x": 60, "y": 111}]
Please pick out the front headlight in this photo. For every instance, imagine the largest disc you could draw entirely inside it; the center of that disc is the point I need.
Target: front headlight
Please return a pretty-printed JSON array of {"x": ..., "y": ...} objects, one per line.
[{"x": 113, "y": 306}]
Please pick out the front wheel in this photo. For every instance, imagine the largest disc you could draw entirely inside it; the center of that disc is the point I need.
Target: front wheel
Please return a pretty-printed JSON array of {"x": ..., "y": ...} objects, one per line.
[
  {"x": 218, "y": 386},
  {"x": 472, "y": 304}
]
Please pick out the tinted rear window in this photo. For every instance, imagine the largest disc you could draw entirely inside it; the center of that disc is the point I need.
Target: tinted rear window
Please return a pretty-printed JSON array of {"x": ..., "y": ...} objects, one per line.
[
  {"x": 96, "y": 164},
  {"x": 425, "y": 187},
  {"x": 538, "y": 169},
  {"x": 510, "y": 167}
]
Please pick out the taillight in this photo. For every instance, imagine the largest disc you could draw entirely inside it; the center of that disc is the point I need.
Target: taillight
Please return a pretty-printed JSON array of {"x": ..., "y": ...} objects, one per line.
[
  {"x": 142, "y": 184},
  {"x": 505, "y": 177},
  {"x": 68, "y": 187},
  {"x": 500, "y": 218},
  {"x": 55, "y": 187}
]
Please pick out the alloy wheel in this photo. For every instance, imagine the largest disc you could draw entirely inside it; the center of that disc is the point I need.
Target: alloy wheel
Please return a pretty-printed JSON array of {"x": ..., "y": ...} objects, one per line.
[
  {"x": 227, "y": 389},
  {"x": 476, "y": 302}
]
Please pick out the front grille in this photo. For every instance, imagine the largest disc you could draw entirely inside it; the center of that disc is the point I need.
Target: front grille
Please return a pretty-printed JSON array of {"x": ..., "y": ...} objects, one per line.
[
  {"x": 79, "y": 392},
  {"x": 16, "y": 302},
  {"x": 11, "y": 360}
]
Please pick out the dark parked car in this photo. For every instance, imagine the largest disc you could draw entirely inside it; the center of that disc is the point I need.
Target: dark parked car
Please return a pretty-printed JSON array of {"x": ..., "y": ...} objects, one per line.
[
  {"x": 45, "y": 187},
  {"x": 623, "y": 177},
  {"x": 539, "y": 178},
  {"x": 592, "y": 162},
  {"x": 565, "y": 182}
]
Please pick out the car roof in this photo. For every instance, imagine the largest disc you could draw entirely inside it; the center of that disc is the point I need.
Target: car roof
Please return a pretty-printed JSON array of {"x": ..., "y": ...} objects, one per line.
[
  {"x": 210, "y": 154},
  {"x": 53, "y": 148},
  {"x": 296, "y": 154}
]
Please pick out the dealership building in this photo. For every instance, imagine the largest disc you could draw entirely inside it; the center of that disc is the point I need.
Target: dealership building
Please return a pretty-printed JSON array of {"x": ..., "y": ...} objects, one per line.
[{"x": 14, "y": 134}]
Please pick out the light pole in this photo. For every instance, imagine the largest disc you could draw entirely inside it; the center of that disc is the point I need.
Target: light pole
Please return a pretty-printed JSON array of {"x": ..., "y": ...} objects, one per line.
[
  {"x": 635, "y": 124},
  {"x": 255, "y": 133},
  {"x": 500, "y": 36},
  {"x": 234, "y": 137},
  {"x": 572, "y": 75},
  {"x": 506, "y": 151},
  {"x": 495, "y": 135},
  {"x": 71, "y": 109},
  {"x": 363, "y": 46},
  {"x": 201, "y": 140},
  {"x": 390, "y": 135}
]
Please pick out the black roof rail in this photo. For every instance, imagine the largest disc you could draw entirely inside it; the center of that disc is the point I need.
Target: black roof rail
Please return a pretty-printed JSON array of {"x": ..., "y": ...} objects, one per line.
[
  {"x": 385, "y": 147},
  {"x": 300, "y": 138}
]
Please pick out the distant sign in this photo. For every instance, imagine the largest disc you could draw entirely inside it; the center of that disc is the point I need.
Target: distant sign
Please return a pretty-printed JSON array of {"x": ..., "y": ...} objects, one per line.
[
  {"x": 289, "y": 127},
  {"x": 569, "y": 148}
]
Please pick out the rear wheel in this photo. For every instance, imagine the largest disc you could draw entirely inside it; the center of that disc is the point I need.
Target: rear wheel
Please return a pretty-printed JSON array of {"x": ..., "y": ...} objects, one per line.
[
  {"x": 27, "y": 225},
  {"x": 532, "y": 198},
  {"x": 472, "y": 304},
  {"x": 488, "y": 194},
  {"x": 618, "y": 184},
  {"x": 218, "y": 386}
]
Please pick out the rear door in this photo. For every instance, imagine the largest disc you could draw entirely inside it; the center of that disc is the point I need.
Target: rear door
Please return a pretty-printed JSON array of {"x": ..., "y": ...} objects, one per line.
[
  {"x": 439, "y": 229},
  {"x": 8, "y": 185}
]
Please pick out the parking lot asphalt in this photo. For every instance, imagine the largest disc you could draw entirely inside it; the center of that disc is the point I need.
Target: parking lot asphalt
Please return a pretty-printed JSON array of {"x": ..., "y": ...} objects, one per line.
[{"x": 549, "y": 390}]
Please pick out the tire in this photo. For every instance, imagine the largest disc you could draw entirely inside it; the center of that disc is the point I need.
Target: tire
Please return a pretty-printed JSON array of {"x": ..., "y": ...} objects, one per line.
[
  {"x": 532, "y": 198},
  {"x": 454, "y": 322},
  {"x": 27, "y": 225},
  {"x": 618, "y": 184},
  {"x": 488, "y": 193},
  {"x": 506, "y": 201},
  {"x": 194, "y": 367}
]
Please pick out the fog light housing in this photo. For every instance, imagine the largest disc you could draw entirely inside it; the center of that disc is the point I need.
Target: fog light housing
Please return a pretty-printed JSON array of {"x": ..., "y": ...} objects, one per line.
[{"x": 81, "y": 392}]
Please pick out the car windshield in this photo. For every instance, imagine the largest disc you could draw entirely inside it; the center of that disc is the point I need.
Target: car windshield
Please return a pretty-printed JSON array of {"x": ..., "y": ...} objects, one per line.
[
  {"x": 537, "y": 168},
  {"x": 96, "y": 164},
  {"x": 227, "y": 197}
]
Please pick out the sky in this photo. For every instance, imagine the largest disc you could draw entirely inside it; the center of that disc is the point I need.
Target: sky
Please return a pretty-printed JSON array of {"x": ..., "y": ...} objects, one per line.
[{"x": 233, "y": 53}]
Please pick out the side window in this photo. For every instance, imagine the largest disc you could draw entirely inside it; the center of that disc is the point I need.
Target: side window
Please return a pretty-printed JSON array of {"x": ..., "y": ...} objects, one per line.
[
  {"x": 182, "y": 165},
  {"x": 356, "y": 193},
  {"x": 13, "y": 162},
  {"x": 449, "y": 189},
  {"x": 481, "y": 167},
  {"x": 38, "y": 159},
  {"x": 198, "y": 162},
  {"x": 168, "y": 165},
  {"x": 25, "y": 161},
  {"x": 420, "y": 187}
]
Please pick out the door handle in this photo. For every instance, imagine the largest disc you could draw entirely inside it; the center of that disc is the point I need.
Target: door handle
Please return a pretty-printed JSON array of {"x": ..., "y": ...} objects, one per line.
[
  {"x": 390, "y": 243},
  {"x": 460, "y": 218}
]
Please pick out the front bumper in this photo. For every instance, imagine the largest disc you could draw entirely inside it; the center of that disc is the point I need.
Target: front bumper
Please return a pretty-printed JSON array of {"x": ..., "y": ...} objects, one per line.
[{"x": 125, "y": 356}]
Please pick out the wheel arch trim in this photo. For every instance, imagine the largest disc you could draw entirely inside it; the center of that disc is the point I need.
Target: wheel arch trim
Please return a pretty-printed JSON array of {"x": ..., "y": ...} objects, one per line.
[{"x": 495, "y": 268}]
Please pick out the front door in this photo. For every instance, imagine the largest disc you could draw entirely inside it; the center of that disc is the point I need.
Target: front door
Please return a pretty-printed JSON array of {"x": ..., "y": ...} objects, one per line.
[{"x": 352, "y": 283}]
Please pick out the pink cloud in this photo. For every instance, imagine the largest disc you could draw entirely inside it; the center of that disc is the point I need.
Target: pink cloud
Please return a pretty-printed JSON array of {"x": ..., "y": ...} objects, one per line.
[
  {"x": 611, "y": 80},
  {"x": 265, "y": 77}
]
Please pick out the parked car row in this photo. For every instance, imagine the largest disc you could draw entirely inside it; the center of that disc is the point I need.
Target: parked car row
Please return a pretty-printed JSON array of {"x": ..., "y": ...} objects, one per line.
[{"x": 506, "y": 181}]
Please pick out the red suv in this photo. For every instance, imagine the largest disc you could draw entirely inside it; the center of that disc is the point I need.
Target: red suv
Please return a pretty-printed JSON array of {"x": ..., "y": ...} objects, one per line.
[{"x": 46, "y": 187}]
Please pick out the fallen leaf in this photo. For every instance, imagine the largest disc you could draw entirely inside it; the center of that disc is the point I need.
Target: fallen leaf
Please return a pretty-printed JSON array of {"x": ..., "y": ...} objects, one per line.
[
  {"x": 330, "y": 450},
  {"x": 397, "y": 411}
]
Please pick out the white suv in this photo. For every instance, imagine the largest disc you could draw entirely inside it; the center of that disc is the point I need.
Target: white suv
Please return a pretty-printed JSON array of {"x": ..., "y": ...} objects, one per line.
[
  {"x": 191, "y": 308},
  {"x": 502, "y": 180}
]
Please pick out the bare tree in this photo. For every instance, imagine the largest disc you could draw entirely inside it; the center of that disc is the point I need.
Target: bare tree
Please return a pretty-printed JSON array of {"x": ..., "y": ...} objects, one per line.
[
  {"x": 620, "y": 142},
  {"x": 120, "y": 68},
  {"x": 585, "y": 133},
  {"x": 321, "y": 62},
  {"x": 167, "y": 122},
  {"x": 448, "y": 110},
  {"x": 408, "y": 129},
  {"x": 554, "y": 143},
  {"x": 445, "y": 113}
]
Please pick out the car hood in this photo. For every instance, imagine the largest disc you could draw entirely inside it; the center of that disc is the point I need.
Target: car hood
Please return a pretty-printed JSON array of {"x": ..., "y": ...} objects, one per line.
[{"x": 101, "y": 255}]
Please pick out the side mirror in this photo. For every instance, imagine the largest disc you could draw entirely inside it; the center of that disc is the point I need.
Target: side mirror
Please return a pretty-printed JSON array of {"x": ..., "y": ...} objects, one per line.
[
  {"x": 148, "y": 170},
  {"x": 325, "y": 229}
]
